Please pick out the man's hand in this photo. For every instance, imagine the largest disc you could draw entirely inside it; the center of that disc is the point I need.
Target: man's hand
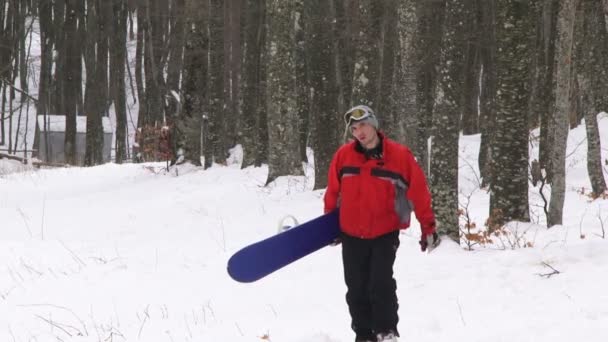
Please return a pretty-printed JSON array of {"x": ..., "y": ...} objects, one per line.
[{"x": 429, "y": 242}]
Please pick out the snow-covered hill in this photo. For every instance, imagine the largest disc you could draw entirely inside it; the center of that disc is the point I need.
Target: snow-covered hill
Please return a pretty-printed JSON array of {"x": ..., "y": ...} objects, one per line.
[{"x": 133, "y": 253}]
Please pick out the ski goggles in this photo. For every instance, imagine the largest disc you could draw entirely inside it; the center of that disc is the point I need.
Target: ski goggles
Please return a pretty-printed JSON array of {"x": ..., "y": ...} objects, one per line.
[{"x": 357, "y": 114}]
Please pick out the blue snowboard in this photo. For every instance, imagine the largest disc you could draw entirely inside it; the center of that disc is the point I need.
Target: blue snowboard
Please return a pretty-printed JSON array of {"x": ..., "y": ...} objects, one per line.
[{"x": 264, "y": 257}]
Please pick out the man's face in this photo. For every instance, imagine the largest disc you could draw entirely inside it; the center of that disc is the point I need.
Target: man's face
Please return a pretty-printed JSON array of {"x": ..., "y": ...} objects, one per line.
[{"x": 365, "y": 133}]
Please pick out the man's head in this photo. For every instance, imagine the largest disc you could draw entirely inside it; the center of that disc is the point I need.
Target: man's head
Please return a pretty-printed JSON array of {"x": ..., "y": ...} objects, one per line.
[
  {"x": 361, "y": 113},
  {"x": 363, "y": 125}
]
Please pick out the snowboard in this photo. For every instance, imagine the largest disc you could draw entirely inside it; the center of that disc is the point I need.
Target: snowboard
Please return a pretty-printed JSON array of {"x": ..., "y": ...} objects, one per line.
[{"x": 264, "y": 257}]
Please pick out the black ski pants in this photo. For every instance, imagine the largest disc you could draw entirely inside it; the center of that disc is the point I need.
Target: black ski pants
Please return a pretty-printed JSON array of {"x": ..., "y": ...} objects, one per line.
[{"x": 368, "y": 273}]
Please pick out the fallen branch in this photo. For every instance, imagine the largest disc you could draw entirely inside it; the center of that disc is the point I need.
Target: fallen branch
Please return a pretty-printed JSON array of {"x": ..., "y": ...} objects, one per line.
[
  {"x": 550, "y": 274},
  {"x": 13, "y": 157}
]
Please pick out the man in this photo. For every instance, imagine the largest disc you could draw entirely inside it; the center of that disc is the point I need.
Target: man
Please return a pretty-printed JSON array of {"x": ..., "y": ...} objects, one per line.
[{"x": 376, "y": 183}]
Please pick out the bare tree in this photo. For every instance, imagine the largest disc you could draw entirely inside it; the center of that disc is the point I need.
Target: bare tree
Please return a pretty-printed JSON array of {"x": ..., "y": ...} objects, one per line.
[
  {"x": 283, "y": 153},
  {"x": 189, "y": 123},
  {"x": 214, "y": 141},
  {"x": 446, "y": 120},
  {"x": 509, "y": 187},
  {"x": 96, "y": 92},
  {"x": 427, "y": 44},
  {"x": 590, "y": 49},
  {"x": 487, "y": 96},
  {"x": 565, "y": 28},
  {"x": 117, "y": 67},
  {"x": 72, "y": 78},
  {"x": 368, "y": 64},
  {"x": 252, "y": 74},
  {"x": 321, "y": 54}
]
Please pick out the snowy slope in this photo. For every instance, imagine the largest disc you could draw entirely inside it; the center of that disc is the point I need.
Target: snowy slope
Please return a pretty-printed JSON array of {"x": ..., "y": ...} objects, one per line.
[{"x": 132, "y": 253}]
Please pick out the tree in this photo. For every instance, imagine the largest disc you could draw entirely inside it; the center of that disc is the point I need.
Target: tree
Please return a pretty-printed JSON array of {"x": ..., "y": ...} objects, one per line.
[
  {"x": 404, "y": 89},
  {"x": 194, "y": 85},
  {"x": 283, "y": 153},
  {"x": 117, "y": 67},
  {"x": 565, "y": 28},
  {"x": 252, "y": 76},
  {"x": 544, "y": 102},
  {"x": 509, "y": 187},
  {"x": 487, "y": 95},
  {"x": 325, "y": 119},
  {"x": 427, "y": 43},
  {"x": 446, "y": 120},
  {"x": 368, "y": 64},
  {"x": 96, "y": 93},
  {"x": 213, "y": 146},
  {"x": 590, "y": 77},
  {"x": 72, "y": 81}
]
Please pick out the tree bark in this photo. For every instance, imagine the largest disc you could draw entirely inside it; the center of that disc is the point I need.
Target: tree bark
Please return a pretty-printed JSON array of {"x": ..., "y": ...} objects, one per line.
[
  {"x": 427, "y": 45},
  {"x": 589, "y": 58},
  {"x": 546, "y": 84},
  {"x": 194, "y": 86},
  {"x": 283, "y": 153},
  {"x": 368, "y": 62},
  {"x": 487, "y": 100},
  {"x": 404, "y": 90},
  {"x": 254, "y": 44},
  {"x": 213, "y": 145},
  {"x": 119, "y": 55},
  {"x": 446, "y": 121},
  {"x": 509, "y": 187},
  {"x": 72, "y": 81},
  {"x": 565, "y": 27},
  {"x": 324, "y": 120}
]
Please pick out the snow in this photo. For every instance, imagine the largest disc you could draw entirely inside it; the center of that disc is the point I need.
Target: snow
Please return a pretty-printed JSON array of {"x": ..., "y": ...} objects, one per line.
[{"x": 134, "y": 253}]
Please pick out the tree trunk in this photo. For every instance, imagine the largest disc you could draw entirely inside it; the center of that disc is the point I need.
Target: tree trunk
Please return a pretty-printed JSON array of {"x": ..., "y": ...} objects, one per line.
[
  {"x": 254, "y": 30},
  {"x": 565, "y": 27},
  {"x": 71, "y": 80},
  {"x": 446, "y": 121},
  {"x": 283, "y": 153},
  {"x": 487, "y": 100},
  {"x": 509, "y": 188},
  {"x": 302, "y": 92},
  {"x": 546, "y": 84},
  {"x": 46, "y": 57},
  {"x": 404, "y": 90},
  {"x": 472, "y": 69},
  {"x": 368, "y": 62},
  {"x": 119, "y": 55},
  {"x": 427, "y": 46},
  {"x": 194, "y": 86},
  {"x": 324, "y": 120},
  {"x": 388, "y": 48},
  {"x": 97, "y": 89},
  {"x": 175, "y": 62},
  {"x": 58, "y": 101},
  {"x": 589, "y": 58},
  {"x": 142, "y": 28},
  {"x": 213, "y": 145}
]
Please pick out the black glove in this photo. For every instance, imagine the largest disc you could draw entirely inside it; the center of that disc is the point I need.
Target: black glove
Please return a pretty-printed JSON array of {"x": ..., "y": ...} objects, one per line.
[{"x": 429, "y": 241}]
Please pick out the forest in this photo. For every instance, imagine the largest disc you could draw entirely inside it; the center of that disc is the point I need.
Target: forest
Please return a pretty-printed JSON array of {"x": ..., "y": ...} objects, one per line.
[{"x": 276, "y": 76}]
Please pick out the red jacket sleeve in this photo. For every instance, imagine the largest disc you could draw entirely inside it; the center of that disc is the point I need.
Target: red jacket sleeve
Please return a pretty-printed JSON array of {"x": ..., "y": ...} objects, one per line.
[
  {"x": 333, "y": 186},
  {"x": 419, "y": 194}
]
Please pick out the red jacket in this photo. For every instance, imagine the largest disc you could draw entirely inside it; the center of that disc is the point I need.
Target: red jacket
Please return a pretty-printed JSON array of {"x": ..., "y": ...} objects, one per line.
[{"x": 377, "y": 196}]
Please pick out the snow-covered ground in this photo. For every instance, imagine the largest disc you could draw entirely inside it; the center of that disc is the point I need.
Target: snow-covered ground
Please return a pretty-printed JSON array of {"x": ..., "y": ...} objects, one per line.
[{"x": 133, "y": 253}]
